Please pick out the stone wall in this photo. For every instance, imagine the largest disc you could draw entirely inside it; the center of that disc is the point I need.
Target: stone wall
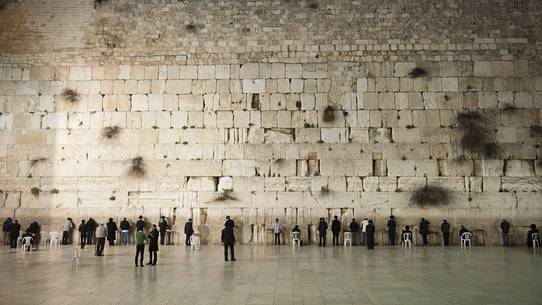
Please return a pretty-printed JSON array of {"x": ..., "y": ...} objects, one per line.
[{"x": 232, "y": 95}]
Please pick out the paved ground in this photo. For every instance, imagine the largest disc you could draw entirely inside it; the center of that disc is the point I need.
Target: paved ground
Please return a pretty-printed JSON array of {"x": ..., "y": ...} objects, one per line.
[{"x": 276, "y": 275}]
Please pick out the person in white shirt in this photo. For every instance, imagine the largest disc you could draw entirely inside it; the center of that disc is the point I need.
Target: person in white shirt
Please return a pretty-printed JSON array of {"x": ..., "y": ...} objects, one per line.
[
  {"x": 66, "y": 230},
  {"x": 364, "y": 224},
  {"x": 276, "y": 230}
]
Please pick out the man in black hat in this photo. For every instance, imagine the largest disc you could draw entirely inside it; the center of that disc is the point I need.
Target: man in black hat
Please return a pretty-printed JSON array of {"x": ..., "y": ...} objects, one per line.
[
  {"x": 354, "y": 228},
  {"x": 163, "y": 228},
  {"x": 228, "y": 238},
  {"x": 322, "y": 232},
  {"x": 445, "y": 228},
  {"x": 370, "y": 231},
  {"x": 188, "y": 231},
  {"x": 140, "y": 223},
  {"x": 391, "y": 230},
  {"x": 336, "y": 230}
]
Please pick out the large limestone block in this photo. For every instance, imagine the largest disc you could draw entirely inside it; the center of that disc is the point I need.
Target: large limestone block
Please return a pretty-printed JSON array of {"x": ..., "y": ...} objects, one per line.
[
  {"x": 519, "y": 168},
  {"x": 153, "y": 199},
  {"x": 239, "y": 167},
  {"x": 493, "y": 201},
  {"x": 314, "y": 71},
  {"x": 248, "y": 184},
  {"x": 178, "y": 86},
  {"x": 408, "y": 184},
  {"x": 172, "y": 184},
  {"x": 202, "y": 184},
  {"x": 488, "y": 167},
  {"x": 190, "y": 102},
  {"x": 346, "y": 167},
  {"x": 298, "y": 184},
  {"x": 253, "y": 85},
  {"x": 406, "y": 135},
  {"x": 289, "y": 199},
  {"x": 530, "y": 203},
  {"x": 454, "y": 184},
  {"x": 80, "y": 73},
  {"x": 401, "y": 167},
  {"x": 522, "y": 184},
  {"x": 249, "y": 70},
  {"x": 196, "y": 168}
]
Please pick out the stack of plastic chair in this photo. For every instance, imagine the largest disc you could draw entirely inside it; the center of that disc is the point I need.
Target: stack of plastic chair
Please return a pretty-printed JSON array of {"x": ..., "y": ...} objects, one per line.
[
  {"x": 54, "y": 239},
  {"x": 466, "y": 239},
  {"x": 296, "y": 242},
  {"x": 407, "y": 240},
  {"x": 348, "y": 238},
  {"x": 195, "y": 242}
]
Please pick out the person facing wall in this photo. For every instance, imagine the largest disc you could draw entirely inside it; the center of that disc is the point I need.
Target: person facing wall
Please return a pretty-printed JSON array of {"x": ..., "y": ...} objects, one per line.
[
  {"x": 322, "y": 232},
  {"x": 276, "y": 231}
]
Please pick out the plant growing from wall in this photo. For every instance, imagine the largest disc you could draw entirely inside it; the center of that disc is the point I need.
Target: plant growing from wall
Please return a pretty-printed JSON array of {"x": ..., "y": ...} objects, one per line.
[
  {"x": 35, "y": 191},
  {"x": 137, "y": 168},
  {"x": 225, "y": 195},
  {"x": 110, "y": 132},
  {"x": 324, "y": 190},
  {"x": 476, "y": 135},
  {"x": 430, "y": 196},
  {"x": 98, "y": 3},
  {"x": 35, "y": 161},
  {"x": 329, "y": 114},
  {"x": 313, "y": 5},
  {"x": 55, "y": 191},
  {"x": 417, "y": 72},
  {"x": 70, "y": 95}
]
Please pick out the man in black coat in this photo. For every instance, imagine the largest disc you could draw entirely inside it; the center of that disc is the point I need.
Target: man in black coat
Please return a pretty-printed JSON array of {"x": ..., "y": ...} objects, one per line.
[
  {"x": 82, "y": 233},
  {"x": 322, "y": 232},
  {"x": 354, "y": 229},
  {"x": 35, "y": 230},
  {"x": 392, "y": 230},
  {"x": 336, "y": 230},
  {"x": 125, "y": 231},
  {"x": 111, "y": 232},
  {"x": 189, "y": 230},
  {"x": 505, "y": 229},
  {"x": 370, "y": 231},
  {"x": 6, "y": 228},
  {"x": 228, "y": 238},
  {"x": 424, "y": 230},
  {"x": 163, "y": 228},
  {"x": 445, "y": 228},
  {"x": 140, "y": 223},
  {"x": 91, "y": 227},
  {"x": 153, "y": 246},
  {"x": 14, "y": 232}
]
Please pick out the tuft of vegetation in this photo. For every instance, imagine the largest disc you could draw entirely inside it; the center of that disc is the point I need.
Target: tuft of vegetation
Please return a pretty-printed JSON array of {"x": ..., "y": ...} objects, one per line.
[
  {"x": 137, "y": 168},
  {"x": 98, "y": 3},
  {"x": 192, "y": 27},
  {"x": 324, "y": 190},
  {"x": 308, "y": 125},
  {"x": 430, "y": 196},
  {"x": 329, "y": 114},
  {"x": 55, "y": 191},
  {"x": 35, "y": 191},
  {"x": 110, "y": 132},
  {"x": 225, "y": 195},
  {"x": 476, "y": 134},
  {"x": 112, "y": 198},
  {"x": 70, "y": 95},
  {"x": 35, "y": 162},
  {"x": 313, "y": 5},
  {"x": 417, "y": 72}
]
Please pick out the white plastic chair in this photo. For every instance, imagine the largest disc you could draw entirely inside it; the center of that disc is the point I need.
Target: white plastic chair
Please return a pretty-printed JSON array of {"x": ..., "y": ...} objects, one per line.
[
  {"x": 466, "y": 238},
  {"x": 75, "y": 256},
  {"x": 54, "y": 239},
  {"x": 536, "y": 243},
  {"x": 195, "y": 242},
  {"x": 44, "y": 236},
  {"x": 26, "y": 245},
  {"x": 348, "y": 238},
  {"x": 407, "y": 240},
  {"x": 295, "y": 240}
]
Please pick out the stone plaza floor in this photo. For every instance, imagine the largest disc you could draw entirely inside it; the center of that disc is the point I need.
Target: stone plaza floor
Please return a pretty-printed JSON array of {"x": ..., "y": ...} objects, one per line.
[{"x": 275, "y": 275}]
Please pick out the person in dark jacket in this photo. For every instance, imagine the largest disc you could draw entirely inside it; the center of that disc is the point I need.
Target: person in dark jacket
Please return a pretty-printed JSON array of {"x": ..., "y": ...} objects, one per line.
[
  {"x": 336, "y": 230},
  {"x": 14, "y": 232},
  {"x": 111, "y": 232},
  {"x": 82, "y": 233},
  {"x": 445, "y": 228},
  {"x": 153, "y": 246},
  {"x": 188, "y": 231},
  {"x": 424, "y": 230},
  {"x": 228, "y": 238},
  {"x": 370, "y": 235},
  {"x": 505, "y": 229},
  {"x": 322, "y": 232},
  {"x": 6, "y": 228},
  {"x": 91, "y": 227},
  {"x": 140, "y": 223},
  {"x": 35, "y": 230},
  {"x": 392, "y": 230},
  {"x": 124, "y": 231},
  {"x": 532, "y": 231},
  {"x": 163, "y": 225},
  {"x": 354, "y": 229},
  {"x": 462, "y": 230}
]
